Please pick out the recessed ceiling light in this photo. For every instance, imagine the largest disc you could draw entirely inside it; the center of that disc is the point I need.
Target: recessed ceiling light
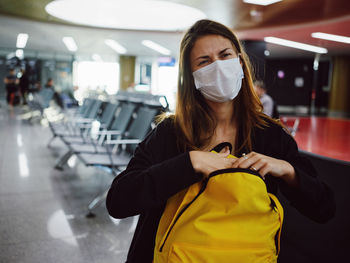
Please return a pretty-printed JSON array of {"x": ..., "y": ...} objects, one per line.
[
  {"x": 293, "y": 44},
  {"x": 70, "y": 44},
  {"x": 22, "y": 40},
  {"x": 261, "y": 2},
  {"x": 331, "y": 37},
  {"x": 152, "y": 45},
  {"x": 126, "y": 14},
  {"x": 115, "y": 46}
]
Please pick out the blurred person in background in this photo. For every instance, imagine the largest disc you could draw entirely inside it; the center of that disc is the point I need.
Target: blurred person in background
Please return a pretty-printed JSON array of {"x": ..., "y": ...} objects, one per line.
[
  {"x": 269, "y": 105},
  {"x": 12, "y": 90},
  {"x": 57, "y": 96},
  {"x": 49, "y": 84},
  {"x": 24, "y": 85}
]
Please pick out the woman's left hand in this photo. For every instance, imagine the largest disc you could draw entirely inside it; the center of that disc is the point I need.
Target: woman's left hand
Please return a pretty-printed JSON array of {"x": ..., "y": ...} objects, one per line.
[{"x": 267, "y": 165}]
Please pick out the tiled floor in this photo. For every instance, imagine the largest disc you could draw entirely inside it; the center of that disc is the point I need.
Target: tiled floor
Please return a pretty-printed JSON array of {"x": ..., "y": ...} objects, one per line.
[{"x": 42, "y": 210}]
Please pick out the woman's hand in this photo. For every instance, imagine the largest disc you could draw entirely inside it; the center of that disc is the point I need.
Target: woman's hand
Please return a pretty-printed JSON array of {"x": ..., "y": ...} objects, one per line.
[
  {"x": 267, "y": 165},
  {"x": 208, "y": 162}
]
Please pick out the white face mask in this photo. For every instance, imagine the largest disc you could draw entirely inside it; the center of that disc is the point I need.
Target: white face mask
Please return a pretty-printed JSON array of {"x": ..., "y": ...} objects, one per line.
[{"x": 220, "y": 81}]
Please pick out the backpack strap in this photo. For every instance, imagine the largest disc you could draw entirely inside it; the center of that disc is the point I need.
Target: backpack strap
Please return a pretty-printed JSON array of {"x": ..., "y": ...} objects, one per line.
[{"x": 221, "y": 146}]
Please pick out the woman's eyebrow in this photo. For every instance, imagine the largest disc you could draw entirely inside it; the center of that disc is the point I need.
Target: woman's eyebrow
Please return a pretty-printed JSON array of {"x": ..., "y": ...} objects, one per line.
[
  {"x": 206, "y": 56},
  {"x": 224, "y": 50}
]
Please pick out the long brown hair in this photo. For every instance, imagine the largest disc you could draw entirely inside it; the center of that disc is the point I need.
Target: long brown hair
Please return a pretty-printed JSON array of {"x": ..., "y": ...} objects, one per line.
[{"x": 194, "y": 122}]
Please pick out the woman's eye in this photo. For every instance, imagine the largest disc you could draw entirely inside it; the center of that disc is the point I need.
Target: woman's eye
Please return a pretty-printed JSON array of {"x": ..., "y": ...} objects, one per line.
[
  {"x": 226, "y": 55},
  {"x": 202, "y": 62}
]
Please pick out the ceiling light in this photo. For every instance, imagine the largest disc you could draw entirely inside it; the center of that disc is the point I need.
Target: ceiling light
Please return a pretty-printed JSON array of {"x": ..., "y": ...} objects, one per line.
[
  {"x": 22, "y": 40},
  {"x": 331, "y": 37},
  {"x": 126, "y": 14},
  {"x": 70, "y": 44},
  {"x": 19, "y": 53},
  {"x": 261, "y": 2},
  {"x": 293, "y": 44},
  {"x": 115, "y": 46},
  {"x": 10, "y": 55},
  {"x": 152, "y": 45}
]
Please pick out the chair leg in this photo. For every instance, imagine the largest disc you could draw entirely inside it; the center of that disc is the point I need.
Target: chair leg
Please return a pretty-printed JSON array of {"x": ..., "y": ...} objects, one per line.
[
  {"x": 295, "y": 127},
  {"x": 51, "y": 140},
  {"x": 63, "y": 160},
  {"x": 96, "y": 202}
]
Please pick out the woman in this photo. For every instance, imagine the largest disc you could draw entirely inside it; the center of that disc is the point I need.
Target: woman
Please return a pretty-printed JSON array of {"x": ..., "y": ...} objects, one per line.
[{"x": 215, "y": 103}]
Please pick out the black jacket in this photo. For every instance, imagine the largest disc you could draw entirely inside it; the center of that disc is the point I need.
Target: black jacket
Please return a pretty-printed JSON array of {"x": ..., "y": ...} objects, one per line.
[{"x": 159, "y": 170}]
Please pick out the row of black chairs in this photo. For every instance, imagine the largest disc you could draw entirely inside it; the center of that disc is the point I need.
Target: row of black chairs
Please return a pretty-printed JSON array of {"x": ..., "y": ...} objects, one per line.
[{"x": 106, "y": 133}]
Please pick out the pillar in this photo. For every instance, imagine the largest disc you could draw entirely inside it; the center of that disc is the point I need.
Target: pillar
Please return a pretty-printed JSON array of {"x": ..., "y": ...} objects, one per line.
[
  {"x": 127, "y": 71},
  {"x": 339, "y": 105}
]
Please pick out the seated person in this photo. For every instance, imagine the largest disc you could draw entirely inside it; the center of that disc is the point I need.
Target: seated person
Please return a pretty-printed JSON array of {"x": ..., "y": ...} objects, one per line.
[{"x": 269, "y": 106}]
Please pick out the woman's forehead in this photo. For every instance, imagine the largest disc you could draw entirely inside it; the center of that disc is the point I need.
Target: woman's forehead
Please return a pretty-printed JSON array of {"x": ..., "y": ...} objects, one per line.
[{"x": 208, "y": 44}]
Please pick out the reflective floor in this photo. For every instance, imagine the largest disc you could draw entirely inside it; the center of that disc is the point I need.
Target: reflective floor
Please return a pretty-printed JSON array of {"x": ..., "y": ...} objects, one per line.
[
  {"x": 42, "y": 211},
  {"x": 324, "y": 136}
]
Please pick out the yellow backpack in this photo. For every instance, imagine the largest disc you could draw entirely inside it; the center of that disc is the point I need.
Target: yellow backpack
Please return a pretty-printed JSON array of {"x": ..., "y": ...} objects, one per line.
[{"x": 230, "y": 217}]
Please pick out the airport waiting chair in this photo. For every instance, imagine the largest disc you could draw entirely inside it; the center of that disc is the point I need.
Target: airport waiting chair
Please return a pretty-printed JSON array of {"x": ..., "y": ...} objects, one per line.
[
  {"x": 63, "y": 125},
  {"x": 82, "y": 110},
  {"x": 118, "y": 159},
  {"x": 86, "y": 124},
  {"x": 143, "y": 98},
  {"x": 130, "y": 102},
  {"x": 139, "y": 127},
  {"x": 121, "y": 118},
  {"x": 291, "y": 124},
  {"x": 78, "y": 145},
  {"x": 74, "y": 112},
  {"x": 138, "y": 99},
  {"x": 118, "y": 127},
  {"x": 91, "y": 115},
  {"x": 78, "y": 126},
  {"x": 108, "y": 114}
]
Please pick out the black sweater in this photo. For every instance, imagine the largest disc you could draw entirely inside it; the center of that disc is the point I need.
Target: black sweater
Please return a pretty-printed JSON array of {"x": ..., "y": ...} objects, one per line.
[{"x": 159, "y": 170}]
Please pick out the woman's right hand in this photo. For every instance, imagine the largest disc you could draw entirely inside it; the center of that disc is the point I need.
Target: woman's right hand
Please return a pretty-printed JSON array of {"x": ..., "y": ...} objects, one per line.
[{"x": 208, "y": 162}]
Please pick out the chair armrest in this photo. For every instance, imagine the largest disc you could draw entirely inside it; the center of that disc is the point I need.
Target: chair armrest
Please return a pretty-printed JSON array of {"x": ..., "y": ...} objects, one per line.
[
  {"x": 124, "y": 141},
  {"x": 105, "y": 132}
]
